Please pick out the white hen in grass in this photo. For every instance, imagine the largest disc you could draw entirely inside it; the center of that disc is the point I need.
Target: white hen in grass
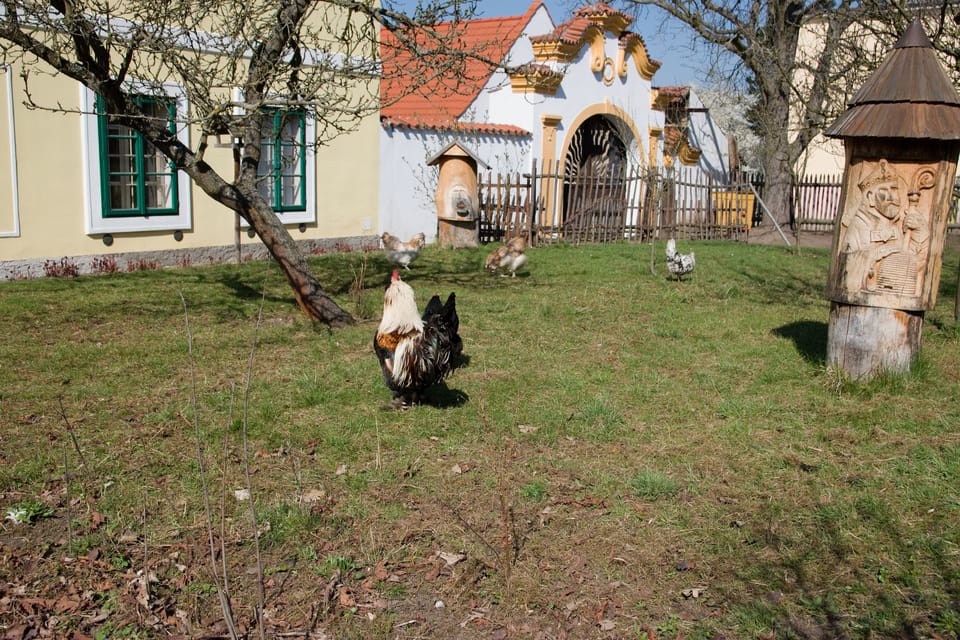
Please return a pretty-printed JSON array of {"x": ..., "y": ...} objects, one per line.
[
  {"x": 679, "y": 264},
  {"x": 402, "y": 253}
]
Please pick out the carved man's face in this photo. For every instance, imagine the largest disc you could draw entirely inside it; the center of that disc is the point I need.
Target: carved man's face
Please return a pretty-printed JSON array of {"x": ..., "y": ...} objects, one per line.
[{"x": 886, "y": 200}]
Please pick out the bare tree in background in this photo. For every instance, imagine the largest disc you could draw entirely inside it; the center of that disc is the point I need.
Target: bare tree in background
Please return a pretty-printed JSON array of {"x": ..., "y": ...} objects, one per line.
[
  {"x": 940, "y": 20},
  {"x": 763, "y": 38},
  {"x": 321, "y": 57}
]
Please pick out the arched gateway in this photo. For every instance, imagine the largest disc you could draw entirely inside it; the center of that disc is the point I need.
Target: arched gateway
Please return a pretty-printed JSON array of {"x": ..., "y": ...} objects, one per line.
[{"x": 596, "y": 164}]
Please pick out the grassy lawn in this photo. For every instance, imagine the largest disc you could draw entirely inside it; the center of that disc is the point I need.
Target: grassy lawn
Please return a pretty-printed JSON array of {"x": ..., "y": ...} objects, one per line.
[{"x": 624, "y": 456}]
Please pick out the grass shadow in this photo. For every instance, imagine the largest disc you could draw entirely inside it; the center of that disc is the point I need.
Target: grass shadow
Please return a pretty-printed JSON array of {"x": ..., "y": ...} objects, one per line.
[
  {"x": 809, "y": 337},
  {"x": 440, "y": 396}
]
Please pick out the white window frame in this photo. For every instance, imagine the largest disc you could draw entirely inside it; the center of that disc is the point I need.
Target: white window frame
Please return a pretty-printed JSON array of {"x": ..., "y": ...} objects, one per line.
[{"x": 94, "y": 222}]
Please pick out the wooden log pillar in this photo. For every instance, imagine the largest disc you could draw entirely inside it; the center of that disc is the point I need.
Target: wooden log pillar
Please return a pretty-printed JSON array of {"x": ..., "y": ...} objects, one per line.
[
  {"x": 862, "y": 341},
  {"x": 901, "y": 135},
  {"x": 457, "y": 198}
]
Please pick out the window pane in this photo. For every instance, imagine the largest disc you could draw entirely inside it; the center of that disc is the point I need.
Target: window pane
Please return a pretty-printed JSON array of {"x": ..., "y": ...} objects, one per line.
[
  {"x": 265, "y": 168},
  {"x": 153, "y": 160},
  {"x": 122, "y": 152},
  {"x": 123, "y": 192},
  {"x": 158, "y": 191},
  {"x": 282, "y": 160},
  {"x": 290, "y": 161},
  {"x": 290, "y": 134},
  {"x": 266, "y": 188},
  {"x": 265, "y": 173},
  {"x": 291, "y": 190}
]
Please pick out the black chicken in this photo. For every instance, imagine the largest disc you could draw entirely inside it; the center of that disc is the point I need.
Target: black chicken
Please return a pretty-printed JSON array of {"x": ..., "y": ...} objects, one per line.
[{"x": 415, "y": 352}]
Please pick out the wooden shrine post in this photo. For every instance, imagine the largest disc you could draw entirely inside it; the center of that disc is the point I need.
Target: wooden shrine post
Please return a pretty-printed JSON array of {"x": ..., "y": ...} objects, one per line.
[
  {"x": 458, "y": 203},
  {"x": 901, "y": 135}
]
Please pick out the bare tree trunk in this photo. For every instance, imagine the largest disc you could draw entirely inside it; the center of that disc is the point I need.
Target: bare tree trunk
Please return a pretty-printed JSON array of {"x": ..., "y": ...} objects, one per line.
[
  {"x": 777, "y": 189},
  {"x": 245, "y": 200},
  {"x": 310, "y": 296},
  {"x": 779, "y": 153}
]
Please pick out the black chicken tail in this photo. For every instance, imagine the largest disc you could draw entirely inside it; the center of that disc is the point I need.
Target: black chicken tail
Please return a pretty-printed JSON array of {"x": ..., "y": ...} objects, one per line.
[
  {"x": 443, "y": 317},
  {"x": 449, "y": 312},
  {"x": 452, "y": 322}
]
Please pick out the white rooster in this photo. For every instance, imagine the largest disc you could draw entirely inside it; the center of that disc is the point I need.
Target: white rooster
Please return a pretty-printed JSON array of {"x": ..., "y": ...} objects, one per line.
[
  {"x": 679, "y": 264},
  {"x": 415, "y": 352}
]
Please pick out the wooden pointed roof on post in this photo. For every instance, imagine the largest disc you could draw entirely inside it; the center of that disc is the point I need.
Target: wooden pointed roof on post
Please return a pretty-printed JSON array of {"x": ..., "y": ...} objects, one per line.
[
  {"x": 456, "y": 149},
  {"x": 909, "y": 96}
]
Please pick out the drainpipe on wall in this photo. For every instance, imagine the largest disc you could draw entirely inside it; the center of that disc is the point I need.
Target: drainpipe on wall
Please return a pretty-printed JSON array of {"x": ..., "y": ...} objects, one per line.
[{"x": 236, "y": 176}]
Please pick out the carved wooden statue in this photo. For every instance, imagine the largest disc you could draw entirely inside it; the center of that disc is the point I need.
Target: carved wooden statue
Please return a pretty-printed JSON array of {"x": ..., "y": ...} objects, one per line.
[
  {"x": 884, "y": 237},
  {"x": 902, "y": 139}
]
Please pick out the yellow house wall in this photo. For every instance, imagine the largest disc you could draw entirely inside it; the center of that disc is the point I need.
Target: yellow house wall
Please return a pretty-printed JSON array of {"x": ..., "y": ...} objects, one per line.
[
  {"x": 49, "y": 176},
  {"x": 825, "y": 156},
  {"x": 50, "y": 161},
  {"x": 348, "y": 183}
]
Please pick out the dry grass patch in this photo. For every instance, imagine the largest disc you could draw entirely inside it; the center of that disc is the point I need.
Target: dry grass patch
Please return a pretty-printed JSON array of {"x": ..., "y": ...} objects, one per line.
[{"x": 623, "y": 457}]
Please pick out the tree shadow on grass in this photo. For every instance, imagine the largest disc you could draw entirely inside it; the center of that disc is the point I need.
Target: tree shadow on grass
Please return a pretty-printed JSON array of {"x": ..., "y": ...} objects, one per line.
[
  {"x": 819, "y": 572},
  {"x": 246, "y": 291},
  {"x": 809, "y": 337}
]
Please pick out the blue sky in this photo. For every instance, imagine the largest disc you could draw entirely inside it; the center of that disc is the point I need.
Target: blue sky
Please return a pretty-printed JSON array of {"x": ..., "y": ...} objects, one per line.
[{"x": 666, "y": 41}]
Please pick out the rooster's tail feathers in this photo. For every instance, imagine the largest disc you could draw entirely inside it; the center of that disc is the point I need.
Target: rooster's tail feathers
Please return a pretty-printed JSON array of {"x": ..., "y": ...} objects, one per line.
[
  {"x": 433, "y": 307},
  {"x": 671, "y": 248}
]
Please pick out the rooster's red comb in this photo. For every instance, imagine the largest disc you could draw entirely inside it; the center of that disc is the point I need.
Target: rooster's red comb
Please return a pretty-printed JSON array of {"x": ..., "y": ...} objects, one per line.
[{"x": 396, "y": 275}]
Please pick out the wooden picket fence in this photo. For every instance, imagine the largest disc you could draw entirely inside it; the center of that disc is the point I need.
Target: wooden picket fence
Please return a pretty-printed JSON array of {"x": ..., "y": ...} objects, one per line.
[
  {"x": 617, "y": 203},
  {"x": 816, "y": 200},
  {"x": 546, "y": 206}
]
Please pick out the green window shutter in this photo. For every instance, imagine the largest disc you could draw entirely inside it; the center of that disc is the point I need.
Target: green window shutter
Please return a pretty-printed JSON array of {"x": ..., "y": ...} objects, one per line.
[{"x": 136, "y": 179}]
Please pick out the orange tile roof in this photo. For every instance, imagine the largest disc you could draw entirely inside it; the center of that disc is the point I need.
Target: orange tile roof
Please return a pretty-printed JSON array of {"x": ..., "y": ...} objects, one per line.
[
  {"x": 573, "y": 29},
  {"x": 415, "y": 122},
  {"x": 433, "y": 91}
]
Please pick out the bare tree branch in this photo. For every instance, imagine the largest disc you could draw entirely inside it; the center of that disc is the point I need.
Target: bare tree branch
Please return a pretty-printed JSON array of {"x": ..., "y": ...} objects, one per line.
[
  {"x": 795, "y": 84},
  {"x": 320, "y": 57}
]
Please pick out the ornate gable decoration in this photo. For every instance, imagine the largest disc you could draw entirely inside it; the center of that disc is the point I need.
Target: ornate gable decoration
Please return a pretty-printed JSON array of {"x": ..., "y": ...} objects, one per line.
[
  {"x": 536, "y": 78},
  {"x": 633, "y": 48},
  {"x": 564, "y": 43},
  {"x": 673, "y": 101},
  {"x": 588, "y": 27}
]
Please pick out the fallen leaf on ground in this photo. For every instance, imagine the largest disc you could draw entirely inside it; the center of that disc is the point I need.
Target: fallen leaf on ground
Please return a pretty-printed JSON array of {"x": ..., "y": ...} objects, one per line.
[{"x": 452, "y": 558}]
